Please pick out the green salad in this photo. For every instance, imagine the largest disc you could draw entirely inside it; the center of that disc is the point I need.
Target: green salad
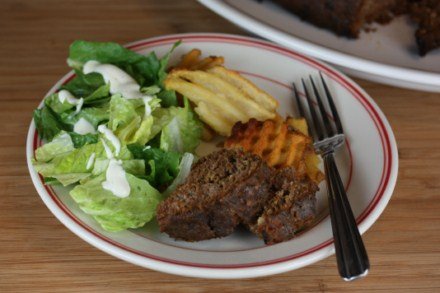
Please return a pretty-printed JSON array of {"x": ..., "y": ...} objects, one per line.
[{"x": 116, "y": 135}]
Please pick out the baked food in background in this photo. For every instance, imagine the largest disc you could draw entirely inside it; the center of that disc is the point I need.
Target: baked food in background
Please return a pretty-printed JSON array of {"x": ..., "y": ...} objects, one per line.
[{"x": 348, "y": 17}]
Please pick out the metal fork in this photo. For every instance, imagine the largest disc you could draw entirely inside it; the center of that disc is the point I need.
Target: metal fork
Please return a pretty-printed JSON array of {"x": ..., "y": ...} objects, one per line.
[{"x": 351, "y": 255}]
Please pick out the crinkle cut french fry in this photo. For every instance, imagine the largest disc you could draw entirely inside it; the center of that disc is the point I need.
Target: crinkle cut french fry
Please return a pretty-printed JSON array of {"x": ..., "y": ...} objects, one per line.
[
  {"x": 245, "y": 85},
  {"x": 223, "y": 92},
  {"x": 223, "y": 89},
  {"x": 197, "y": 94},
  {"x": 190, "y": 59},
  {"x": 208, "y": 63},
  {"x": 216, "y": 122}
]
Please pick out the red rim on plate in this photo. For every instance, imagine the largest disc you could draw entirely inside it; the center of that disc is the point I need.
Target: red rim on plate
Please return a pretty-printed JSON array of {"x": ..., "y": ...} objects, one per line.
[{"x": 336, "y": 76}]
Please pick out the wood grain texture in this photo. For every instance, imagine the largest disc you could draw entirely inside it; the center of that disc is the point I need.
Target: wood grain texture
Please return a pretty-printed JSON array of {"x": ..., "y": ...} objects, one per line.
[{"x": 38, "y": 253}]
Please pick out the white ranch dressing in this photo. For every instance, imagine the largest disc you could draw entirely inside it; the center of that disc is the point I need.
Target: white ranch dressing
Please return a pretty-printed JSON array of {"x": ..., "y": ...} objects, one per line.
[
  {"x": 90, "y": 161},
  {"x": 146, "y": 100},
  {"x": 120, "y": 82},
  {"x": 64, "y": 95},
  {"x": 111, "y": 137},
  {"x": 82, "y": 126},
  {"x": 116, "y": 181},
  {"x": 108, "y": 151}
]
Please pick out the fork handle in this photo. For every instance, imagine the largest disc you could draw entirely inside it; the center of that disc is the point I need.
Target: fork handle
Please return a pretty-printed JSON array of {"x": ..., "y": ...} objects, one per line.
[{"x": 351, "y": 255}]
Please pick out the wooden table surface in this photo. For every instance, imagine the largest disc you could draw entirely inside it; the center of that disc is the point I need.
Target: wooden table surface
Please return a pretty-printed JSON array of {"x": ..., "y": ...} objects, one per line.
[{"x": 37, "y": 253}]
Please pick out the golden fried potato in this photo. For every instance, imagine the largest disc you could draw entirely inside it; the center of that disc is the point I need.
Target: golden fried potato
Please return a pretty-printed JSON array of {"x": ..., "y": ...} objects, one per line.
[
  {"x": 191, "y": 60},
  {"x": 299, "y": 124},
  {"x": 224, "y": 103},
  {"x": 279, "y": 144},
  {"x": 216, "y": 121},
  {"x": 208, "y": 62},
  {"x": 311, "y": 159},
  {"x": 221, "y": 88},
  {"x": 247, "y": 87},
  {"x": 196, "y": 93},
  {"x": 312, "y": 162}
]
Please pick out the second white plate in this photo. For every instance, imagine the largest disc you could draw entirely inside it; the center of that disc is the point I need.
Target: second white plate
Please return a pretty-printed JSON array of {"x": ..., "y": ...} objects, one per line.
[{"x": 386, "y": 56}]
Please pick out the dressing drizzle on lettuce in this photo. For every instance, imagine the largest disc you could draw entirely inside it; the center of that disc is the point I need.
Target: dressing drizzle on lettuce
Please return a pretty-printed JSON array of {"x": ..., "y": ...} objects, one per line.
[{"x": 97, "y": 133}]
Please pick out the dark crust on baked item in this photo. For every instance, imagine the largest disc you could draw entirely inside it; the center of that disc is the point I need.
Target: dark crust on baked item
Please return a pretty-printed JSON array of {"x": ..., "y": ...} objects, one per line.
[
  {"x": 348, "y": 17},
  {"x": 426, "y": 13},
  {"x": 344, "y": 17},
  {"x": 224, "y": 189}
]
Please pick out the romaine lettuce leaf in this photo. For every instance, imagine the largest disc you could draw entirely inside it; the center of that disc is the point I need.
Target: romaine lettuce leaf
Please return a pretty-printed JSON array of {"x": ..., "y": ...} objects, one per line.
[
  {"x": 168, "y": 98},
  {"x": 71, "y": 167},
  {"x": 114, "y": 213},
  {"x": 162, "y": 116},
  {"x": 183, "y": 132},
  {"x": 146, "y": 70},
  {"x": 54, "y": 103},
  {"x": 80, "y": 140},
  {"x": 184, "y": 170},
  {"x": 161, "y": 167},
  {"x": 132, "y": 166},
  {"x": 142, "y": 68},
  {"x": 48, "y": 123},
  {"x": 51, "y": 181},
  {"x": 94, "y": 115},
  {"x": 98, "y": 97},
  {"x": 128, "y": 121},
  {"x": 151, "y": 90},
  {"x": 61, "y": 144},
  {"x": 57, "y": 116},
  {"x": 84, "y": 85}
]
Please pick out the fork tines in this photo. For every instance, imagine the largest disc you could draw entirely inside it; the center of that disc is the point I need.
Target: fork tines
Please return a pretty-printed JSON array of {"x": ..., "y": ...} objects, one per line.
[{"x": 322, "y": 125}]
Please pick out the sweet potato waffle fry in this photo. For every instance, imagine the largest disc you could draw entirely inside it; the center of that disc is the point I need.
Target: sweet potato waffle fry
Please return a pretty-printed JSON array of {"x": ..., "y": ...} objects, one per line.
[{"x": 281, "y": 143}]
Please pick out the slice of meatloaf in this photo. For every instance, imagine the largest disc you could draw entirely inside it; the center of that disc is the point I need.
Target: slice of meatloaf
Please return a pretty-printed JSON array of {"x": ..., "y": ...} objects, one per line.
[
  {"x": 291, "y": 208},
  {"x": 224, "y": 189}
]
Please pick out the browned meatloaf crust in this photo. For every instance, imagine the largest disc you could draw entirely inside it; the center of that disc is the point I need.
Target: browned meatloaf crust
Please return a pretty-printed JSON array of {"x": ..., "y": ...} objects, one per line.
[
  {"x": 426, "y": 13},
  {"x": 344, "y": 17},
  {"x": 291, "y": 209},
  {"x": 348, "y": 17},
  {"x": 224, "y": 189}
]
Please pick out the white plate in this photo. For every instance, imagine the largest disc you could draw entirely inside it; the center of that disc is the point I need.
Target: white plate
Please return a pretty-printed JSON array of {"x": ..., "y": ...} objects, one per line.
[
  {"x": 387, "y": 56},
  {"x": 368, "y": 167}
]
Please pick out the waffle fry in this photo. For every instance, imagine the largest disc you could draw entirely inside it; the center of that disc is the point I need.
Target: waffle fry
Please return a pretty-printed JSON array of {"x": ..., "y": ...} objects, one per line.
[
  {"x": 222, "y": 101},
  {"x": 221, "y": 96},
  {"x": 245, "y": 86},
  {"x": 193, "y": 61},
  {"x": 280, "y": 143}
]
